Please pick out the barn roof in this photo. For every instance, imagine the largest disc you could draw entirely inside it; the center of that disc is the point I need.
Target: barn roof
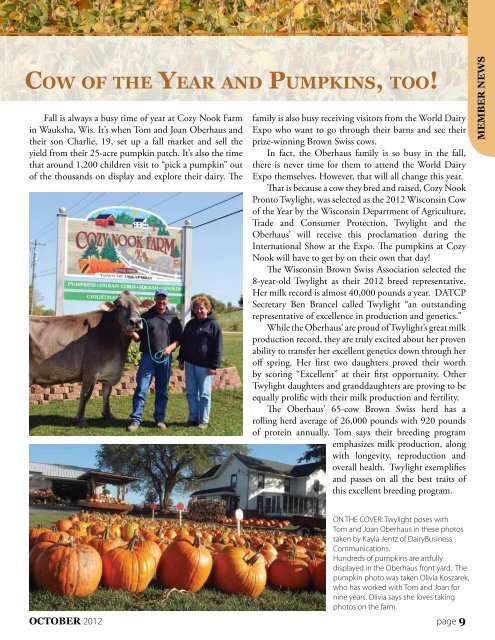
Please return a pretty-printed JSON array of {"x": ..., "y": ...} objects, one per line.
[
  {"x": 269, "y": 466},
  {"x": 100, "y": 477},
  {"x": 278, "y": 468},
  {"x": 70, "y": 472},
  {"x": 211, "y": 472},
  {"x": 104, "y": 216},
  {"x": 65, "y": 471}
]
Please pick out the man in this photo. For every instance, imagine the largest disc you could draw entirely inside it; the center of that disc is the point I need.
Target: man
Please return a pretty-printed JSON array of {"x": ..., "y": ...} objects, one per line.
[{"x": 160, "y": 336}]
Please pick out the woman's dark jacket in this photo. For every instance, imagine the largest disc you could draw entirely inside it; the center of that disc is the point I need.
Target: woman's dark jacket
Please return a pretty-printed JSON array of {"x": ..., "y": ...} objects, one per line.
[{"x": 202, "y": 343}]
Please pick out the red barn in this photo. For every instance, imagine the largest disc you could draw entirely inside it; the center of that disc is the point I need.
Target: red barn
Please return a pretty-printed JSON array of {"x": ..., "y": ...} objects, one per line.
[{"x": 105, "y": 220}]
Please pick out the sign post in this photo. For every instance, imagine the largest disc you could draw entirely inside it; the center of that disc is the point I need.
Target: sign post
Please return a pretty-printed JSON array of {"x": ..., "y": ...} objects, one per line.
[
  {"x": 180, "y": 509},
  {"x": 153, "y": 508},
  {"x": 61, "y": 253},
  {"x": 187, "y": 270},
  {"x": 239, "y": 515}
]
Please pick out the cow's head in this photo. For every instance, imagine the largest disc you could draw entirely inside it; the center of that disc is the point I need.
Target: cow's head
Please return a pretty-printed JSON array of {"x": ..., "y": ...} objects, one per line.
[{"x": 128, "y": 309}]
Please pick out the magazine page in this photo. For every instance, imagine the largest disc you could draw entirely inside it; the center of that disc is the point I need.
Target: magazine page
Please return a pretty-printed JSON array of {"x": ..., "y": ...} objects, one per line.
[{"x": 324, "y": 167}]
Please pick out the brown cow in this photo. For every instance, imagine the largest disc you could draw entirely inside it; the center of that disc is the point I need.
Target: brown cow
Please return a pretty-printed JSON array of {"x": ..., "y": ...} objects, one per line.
[{"x": 87, "y": 348}]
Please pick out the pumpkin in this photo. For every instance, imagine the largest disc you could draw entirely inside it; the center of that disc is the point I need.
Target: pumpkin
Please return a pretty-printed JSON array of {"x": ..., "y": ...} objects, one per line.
[
  {"x": 151, "y": 546},
  {"x": 289, "y": 573},
  {"x": 114, "y": 530},
  {"x": 239, "y": 570},
  {"x": 34, "y": 533},
  {"x": 34, "y": 554},
  {"x": 96, "y": 529},
  {"x": 268, "y": 552},
  {"x": 68, "y": 569},
  {"x": 129, "y": 568},
  {"x": 287, "y": 548},
  {"x": 105, "y": 543},
  {"x": 53, "y": 536},
  {"x": 129, "y": 530},
  {"x": 184, "y": 534},
  {"x": 320, "y": 577},
  {"x": 64, "y": 525},
  {"x": 170, "y": 534},
  {"x": 184, "y": 565}
]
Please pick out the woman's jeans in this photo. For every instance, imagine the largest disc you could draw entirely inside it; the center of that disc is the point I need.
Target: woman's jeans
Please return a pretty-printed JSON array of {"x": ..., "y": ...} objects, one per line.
[
  {"x": 198, "y": 393},
  {"x": 146, "y": 372}
]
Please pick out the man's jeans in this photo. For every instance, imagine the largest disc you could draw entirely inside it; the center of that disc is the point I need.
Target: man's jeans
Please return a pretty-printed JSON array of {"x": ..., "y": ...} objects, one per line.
[
  {"x": 198, "y": 393},
  {"x": 147, "y": 370}
]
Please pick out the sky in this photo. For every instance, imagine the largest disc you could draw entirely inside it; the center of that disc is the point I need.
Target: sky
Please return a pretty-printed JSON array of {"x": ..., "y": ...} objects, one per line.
[
  {"x": 84, "y": 455},
  {"x": 217, "y": 247}
]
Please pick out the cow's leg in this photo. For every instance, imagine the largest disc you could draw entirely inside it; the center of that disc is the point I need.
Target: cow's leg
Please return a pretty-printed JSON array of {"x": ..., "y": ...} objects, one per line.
[
  {"x": 88, "y": 385},
  {"x": 106, "y": 412}
]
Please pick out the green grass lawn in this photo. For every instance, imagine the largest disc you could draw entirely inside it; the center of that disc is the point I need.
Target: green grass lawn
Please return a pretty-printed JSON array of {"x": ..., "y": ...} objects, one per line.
[
  {"x": 230, "y": 320},
  {"x": 47, "y": 516},
  {"x": 57, "y": 418},
  {"x": 156, "y": 598},
  {"x": 47, "y": 519},
  {"x": 232, "y": 350}
]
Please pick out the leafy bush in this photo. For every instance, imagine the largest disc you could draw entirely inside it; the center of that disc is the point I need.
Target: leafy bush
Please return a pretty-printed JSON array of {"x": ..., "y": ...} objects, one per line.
[
  {"x": 133, "y": 356},
  {"x": 234, "y": 17}
]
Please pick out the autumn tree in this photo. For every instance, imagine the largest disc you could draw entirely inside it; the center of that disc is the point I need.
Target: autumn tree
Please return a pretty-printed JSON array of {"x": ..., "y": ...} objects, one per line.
[
  {"x": 36, "y": 304},
  {"x": 161, "y": 468},
  {"x": 315, "y": 453}
]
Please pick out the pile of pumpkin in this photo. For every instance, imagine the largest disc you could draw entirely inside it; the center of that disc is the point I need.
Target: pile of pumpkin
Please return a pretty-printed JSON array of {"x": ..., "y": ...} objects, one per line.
[
  {"x": 106, "y": 500},
  {"x": 77, "y": 556},
  {"x": 259, "y": 522},
  {"x": 99, "y": 265}
]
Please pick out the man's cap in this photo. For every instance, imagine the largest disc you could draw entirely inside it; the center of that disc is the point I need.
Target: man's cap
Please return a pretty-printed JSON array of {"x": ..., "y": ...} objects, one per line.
[{"x": 161, "y": 292}]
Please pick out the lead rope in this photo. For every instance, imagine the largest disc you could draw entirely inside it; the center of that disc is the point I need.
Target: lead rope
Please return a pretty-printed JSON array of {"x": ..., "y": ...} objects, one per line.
[{"x": 159, "y": 357}]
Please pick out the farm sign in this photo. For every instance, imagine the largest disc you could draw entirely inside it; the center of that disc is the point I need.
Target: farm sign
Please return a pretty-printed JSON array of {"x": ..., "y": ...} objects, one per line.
[{"x": 118, "y": 248}]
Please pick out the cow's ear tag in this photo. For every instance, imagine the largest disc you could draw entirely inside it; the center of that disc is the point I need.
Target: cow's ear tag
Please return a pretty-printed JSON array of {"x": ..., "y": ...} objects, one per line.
[
  {"x": 147, "y": 304},
  {"x": 107, "y": 306}
]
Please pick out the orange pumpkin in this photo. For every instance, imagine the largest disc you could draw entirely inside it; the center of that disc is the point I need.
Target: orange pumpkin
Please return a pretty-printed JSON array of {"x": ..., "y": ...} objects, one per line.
[
  {"x": 105, "y": 543},
  {"x": 289, "y": 573},
  {"x": 34, "y": 533},
  {"x": 129, "y": 568},
  {"x": 53, "y": 536},
  {"x": 320, "y": 577},
  {"x": 68, "y": 569},
  {"x": 64, "y": 525},
  {"x": 152, "y": 547},
  {"x": 267, "y": 552},
  {"x": 184, "y": 565},
  {"x": 239, "y": 570},
  {"x": 35, "y": 552}
]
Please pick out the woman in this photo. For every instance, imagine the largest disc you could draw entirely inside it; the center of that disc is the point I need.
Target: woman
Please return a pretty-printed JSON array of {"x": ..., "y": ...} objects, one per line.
[{"x": 200, "y": 355}]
